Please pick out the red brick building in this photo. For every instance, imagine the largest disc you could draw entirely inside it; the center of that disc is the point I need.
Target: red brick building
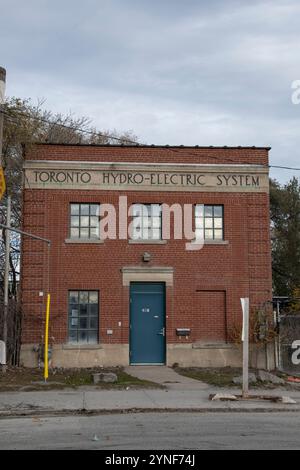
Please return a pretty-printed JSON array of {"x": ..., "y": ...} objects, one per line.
[{"x": 143, "y": 299}]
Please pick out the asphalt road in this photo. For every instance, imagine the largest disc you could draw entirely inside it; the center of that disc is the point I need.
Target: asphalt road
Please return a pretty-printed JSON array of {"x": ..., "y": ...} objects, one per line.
[{"x": 157, "y": 431}]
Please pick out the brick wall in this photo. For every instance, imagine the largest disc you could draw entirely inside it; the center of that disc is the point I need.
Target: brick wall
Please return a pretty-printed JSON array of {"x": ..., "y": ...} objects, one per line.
[
  {"x": 165, "y": 154},
  {"x": 207, "y": 283}
]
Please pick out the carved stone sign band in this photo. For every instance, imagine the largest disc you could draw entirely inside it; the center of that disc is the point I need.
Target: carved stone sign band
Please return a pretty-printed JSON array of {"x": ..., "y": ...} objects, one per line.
[{"x": 159, "y": 178}]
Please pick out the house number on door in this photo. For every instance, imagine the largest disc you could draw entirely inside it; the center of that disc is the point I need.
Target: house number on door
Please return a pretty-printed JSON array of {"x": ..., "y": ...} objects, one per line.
[{"x": 146, "y": 309}]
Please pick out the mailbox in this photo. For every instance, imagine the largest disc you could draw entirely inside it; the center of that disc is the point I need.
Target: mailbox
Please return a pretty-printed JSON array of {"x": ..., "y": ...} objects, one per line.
[{"x": 183, "y": 331}]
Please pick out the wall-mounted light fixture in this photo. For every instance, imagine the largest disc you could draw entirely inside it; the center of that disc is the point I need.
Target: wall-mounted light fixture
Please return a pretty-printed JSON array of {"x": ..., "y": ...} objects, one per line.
[{"x": 146, "y": 257}]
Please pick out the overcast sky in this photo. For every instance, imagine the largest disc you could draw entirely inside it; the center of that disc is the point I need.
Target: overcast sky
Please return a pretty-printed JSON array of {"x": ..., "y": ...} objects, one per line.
[{"x": 172, "y": 71}]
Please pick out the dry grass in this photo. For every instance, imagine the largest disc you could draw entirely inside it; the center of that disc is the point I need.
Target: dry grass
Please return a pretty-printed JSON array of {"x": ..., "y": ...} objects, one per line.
[
  {"x": 221, "y": 377},
  {"x": 27, "y": 379}
]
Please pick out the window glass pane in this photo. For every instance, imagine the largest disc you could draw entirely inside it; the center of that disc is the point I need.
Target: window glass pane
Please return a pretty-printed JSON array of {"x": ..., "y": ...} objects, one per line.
[
  {"x": 209, "y": 234},
  {"x": 83, "y": 218},
  {"x": 219, "y": 234},
  {"x": 156, "y": 222},
  {"x": 82, "y": 336},
  {"x": 94, "y": 221},
  {"x": 83, "y": 309},
  {"x": 84, "y": 209},
  {"x": 84, "y": 221},
  {"x": 94, "y": 323},
  {"x": 94, "y": 209},
  {"x": 93, "y": 309},
  {"x": 146, "y": 218},
  {"x": 145, "y": 222},
  {"x": 74, "y": 233},
  {"x": 146, "y": 233},
  {"x": 94, "y": 233},
  {"x": 218, "y": 211},
  {"x": 156, "y": 234},
  {"x": 147, "y": 208},
  {"x": 83, "y": 316},
  {"x": 208, "y": 211},
  {"x": 155, "y": 210},
  {"x": 83, "y": 322},
  {"x": 73, "y": 311},
  {"x": 73, "y": 297},
  {"x": 209, "y": 223},
  {"x": 93, "y": 297},
  {"x": 83, "y": 297},
  {"x": 93, "y": 336},
  {"x": 199, "y": 210},
  {"x": 84, "y": 233},
  {"x": 218, "y": 223},
  {"x": 74, "y": 209},
  {"x": 73, "y": 336},
  {"x": 73, "y": 323},
  {"x": 74, "y": 221}
]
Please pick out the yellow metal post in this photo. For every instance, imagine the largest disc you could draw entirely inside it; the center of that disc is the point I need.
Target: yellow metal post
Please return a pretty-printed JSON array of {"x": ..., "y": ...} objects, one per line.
[
  {"x": 46, "y": 339},
  {"x": 2, "y": 180}
]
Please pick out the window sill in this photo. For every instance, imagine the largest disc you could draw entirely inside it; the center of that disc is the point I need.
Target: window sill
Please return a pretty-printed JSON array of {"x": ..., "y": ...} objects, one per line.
[
  {"x": 216, "y": 242},
  {"x": 89, "y": 241},
  {"x": 81, "y": 346},
  {"x": 147, "y": 242}
]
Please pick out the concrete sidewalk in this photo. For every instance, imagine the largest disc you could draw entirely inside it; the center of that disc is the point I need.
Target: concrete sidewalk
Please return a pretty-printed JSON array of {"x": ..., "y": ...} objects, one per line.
[
  {"x": 166, "y": 376},
  {"x": 88, "y": 400},
  {"x": 179, "y": 394}
]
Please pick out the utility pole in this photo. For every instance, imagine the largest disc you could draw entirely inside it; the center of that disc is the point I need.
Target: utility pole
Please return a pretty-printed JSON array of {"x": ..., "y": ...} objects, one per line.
[
  {"x": 2, "y": 93},
  {"x": 6, "y": 277},
  {"x": 6, "y": 271}
]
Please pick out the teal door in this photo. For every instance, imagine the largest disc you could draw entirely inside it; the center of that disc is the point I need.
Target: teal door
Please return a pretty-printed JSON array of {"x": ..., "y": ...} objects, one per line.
[{"x": 147, "y": 323}]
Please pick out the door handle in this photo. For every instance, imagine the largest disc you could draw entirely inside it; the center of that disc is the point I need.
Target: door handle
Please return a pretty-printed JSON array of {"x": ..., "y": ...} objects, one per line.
[{"x": 162, "y": 332}]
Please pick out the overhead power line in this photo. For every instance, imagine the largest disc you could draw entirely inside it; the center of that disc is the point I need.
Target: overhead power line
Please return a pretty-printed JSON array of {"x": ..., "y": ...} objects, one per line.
[
  {"x": 284, "y": 167},
  {"x": 119, "y": 139}
]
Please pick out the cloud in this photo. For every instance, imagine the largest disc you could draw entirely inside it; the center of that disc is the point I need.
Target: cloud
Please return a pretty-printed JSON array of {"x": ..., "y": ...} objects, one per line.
[{"x": 210, "y": 73}]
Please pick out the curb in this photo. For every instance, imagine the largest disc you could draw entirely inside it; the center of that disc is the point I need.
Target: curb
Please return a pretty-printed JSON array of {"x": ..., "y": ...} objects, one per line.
[{"x": 96, "y": 412}]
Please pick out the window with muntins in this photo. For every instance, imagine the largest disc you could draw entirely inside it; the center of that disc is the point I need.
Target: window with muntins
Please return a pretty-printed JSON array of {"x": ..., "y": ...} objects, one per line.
[
  {"x": 84, "y": 221},
  {"x": 209, "y": 222},
  {"x": 83, "y": 316},
  {"x": 146, "y": 222}
]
